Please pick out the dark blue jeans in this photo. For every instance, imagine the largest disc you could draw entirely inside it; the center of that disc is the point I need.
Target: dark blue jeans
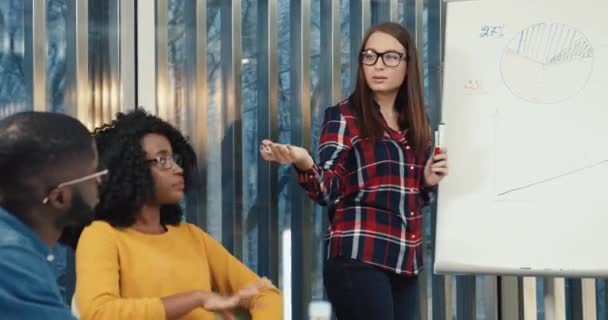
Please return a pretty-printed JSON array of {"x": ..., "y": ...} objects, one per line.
[{"x": 358, "y": 290}]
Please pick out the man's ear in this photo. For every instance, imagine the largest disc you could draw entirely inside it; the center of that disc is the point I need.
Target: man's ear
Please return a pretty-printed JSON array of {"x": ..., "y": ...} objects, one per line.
[{"x": 60, "y": 198}]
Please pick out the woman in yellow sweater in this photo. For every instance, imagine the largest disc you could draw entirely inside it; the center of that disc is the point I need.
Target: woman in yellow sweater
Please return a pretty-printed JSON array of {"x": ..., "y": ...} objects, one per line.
[{"x": 139, "y": 260}]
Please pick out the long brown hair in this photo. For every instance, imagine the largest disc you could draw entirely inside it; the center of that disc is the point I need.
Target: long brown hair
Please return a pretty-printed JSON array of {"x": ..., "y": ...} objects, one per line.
[{"x": 409, "y": 102}]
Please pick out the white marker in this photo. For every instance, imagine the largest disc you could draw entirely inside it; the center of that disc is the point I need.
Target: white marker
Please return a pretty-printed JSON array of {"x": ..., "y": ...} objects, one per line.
[{"x": 439, "y": 138}]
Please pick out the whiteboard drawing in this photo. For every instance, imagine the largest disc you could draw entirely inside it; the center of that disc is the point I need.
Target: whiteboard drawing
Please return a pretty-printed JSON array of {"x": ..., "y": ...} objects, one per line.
[
  {"x": 561, "y": 176},
  {"x": 547, "y": 63},
  {"x": 526, "y": 129}
]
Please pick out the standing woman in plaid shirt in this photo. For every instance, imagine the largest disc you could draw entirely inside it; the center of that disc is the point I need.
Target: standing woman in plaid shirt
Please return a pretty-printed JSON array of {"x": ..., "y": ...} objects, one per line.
[{"x": 375, "y": 171}]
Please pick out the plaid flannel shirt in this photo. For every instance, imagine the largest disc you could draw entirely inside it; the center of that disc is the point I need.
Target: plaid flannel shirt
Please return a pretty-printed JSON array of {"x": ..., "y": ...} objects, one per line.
[{"x": 374, "y": 191}]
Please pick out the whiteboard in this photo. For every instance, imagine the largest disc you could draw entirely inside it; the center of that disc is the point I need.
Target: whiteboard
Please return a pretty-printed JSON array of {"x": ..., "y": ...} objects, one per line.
[{"x": 526, "y": 113}]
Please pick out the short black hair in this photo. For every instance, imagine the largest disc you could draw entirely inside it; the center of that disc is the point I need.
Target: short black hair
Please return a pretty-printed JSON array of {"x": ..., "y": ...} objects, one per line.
[
  {"x": 33, "y": 146},
  {"x": 130, "y": 183}
]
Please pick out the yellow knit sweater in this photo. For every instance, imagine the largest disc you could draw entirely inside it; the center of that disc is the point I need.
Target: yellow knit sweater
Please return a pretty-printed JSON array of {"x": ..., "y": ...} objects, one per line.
[{"x": 123, "y": 273}]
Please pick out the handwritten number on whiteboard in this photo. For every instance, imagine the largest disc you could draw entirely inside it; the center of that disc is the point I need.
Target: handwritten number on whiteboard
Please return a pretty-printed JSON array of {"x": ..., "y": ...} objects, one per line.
[{"x": 492, "y": 31}]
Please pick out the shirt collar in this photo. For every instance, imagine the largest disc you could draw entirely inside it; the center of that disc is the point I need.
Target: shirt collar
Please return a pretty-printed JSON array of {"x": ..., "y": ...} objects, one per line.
[{"x": 16, "y": 224}]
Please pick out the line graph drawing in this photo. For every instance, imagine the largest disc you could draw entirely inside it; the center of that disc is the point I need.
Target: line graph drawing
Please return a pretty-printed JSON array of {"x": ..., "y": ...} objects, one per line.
[
  {"x": 547, "y": 63},
  {"x": 565, "y": 174}
]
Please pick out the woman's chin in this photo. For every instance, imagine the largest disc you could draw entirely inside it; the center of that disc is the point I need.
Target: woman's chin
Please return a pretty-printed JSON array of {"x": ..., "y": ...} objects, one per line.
[
  {"x": 178, "y": 195},
  {"x": 383, "y": 88},
  {"x": 174, "y": 197}
]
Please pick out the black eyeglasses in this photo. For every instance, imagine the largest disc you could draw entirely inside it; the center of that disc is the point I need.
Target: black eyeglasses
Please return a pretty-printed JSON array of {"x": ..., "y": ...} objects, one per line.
[
  {"x": 390, "y": 58},
  {"x": 166, "y": 162}
]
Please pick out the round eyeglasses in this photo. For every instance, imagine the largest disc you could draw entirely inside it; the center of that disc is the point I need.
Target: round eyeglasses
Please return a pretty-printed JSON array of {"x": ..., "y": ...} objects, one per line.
[
  {"x": 166, "y": 162},
  {"x": 389, "y": 58}
]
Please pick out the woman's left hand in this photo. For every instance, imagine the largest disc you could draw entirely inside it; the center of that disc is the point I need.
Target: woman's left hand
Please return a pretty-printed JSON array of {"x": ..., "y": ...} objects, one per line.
[
  {"x": 435, "y": 169},
  {"x": 247, "y": 293}
]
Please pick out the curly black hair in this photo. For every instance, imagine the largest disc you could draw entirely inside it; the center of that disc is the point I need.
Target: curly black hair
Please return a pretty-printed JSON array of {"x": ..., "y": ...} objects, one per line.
[{"x": 130, "y": 183}]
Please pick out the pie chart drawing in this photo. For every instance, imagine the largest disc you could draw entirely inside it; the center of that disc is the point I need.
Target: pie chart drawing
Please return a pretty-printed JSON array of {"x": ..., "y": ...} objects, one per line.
[{"x": 547, "y": 63}]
